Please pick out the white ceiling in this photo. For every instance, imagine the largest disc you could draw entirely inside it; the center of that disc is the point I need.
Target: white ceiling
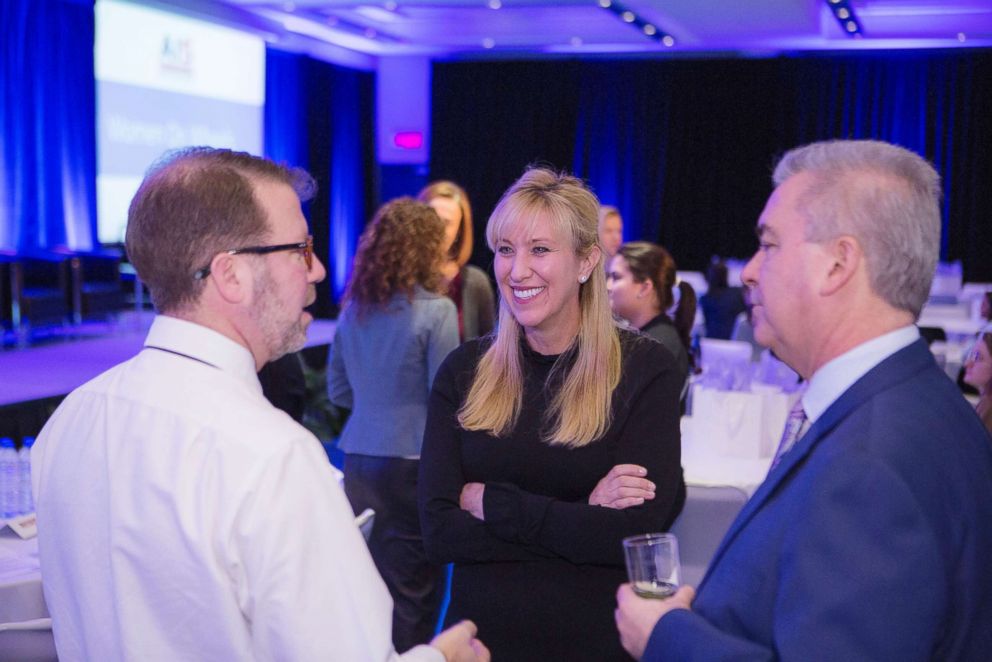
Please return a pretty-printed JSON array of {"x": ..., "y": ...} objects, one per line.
[{"x": 498, "y": 28}]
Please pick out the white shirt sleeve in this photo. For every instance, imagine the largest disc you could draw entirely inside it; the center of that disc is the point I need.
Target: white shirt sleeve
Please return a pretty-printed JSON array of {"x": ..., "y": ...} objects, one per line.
[{"x": 303, "y": 574}]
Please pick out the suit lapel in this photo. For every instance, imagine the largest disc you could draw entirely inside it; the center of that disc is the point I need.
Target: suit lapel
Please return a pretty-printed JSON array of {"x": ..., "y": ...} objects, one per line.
[{"x": 892, "y": 370}]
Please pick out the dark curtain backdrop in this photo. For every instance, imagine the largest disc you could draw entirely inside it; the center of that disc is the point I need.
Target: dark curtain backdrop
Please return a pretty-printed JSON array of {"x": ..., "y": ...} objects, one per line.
[
  {"x": 47, "y": 125},
  {"x": 318, "y": 116},
  {"x": 685, "y": 148}
]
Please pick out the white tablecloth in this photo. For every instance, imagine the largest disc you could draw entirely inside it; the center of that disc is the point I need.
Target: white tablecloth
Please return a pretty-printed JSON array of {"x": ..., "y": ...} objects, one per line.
[
  {"x": 704, "y": 468},
  {"x": 21, "y": 597},
  {"x": 742, "y": 424}
]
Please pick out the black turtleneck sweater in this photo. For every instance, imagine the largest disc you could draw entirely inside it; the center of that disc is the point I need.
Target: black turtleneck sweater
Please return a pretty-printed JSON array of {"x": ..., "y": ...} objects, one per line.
[{"x": 539, "y": 575}]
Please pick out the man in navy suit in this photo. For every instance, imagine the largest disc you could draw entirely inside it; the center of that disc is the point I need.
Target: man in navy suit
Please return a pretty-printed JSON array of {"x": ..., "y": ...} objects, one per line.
[{"x": 871, "y": 537}]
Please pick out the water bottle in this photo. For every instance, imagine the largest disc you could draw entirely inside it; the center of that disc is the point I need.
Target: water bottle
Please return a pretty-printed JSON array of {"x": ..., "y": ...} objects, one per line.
[
  {"x": 9, "y": 476},
  {"x": 25, "y": 501}
]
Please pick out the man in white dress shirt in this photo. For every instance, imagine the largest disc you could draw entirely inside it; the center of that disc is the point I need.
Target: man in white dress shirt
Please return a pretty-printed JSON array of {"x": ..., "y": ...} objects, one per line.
[
  {"x": 870, "y": 537},
  {"x": 180, "y": 515}
]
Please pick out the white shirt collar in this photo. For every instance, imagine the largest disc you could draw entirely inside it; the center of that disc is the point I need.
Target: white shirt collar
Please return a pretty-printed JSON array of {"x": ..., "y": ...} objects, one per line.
[
  {"x": 836, "y": 376},
  {"x": 200, "y": 343}
]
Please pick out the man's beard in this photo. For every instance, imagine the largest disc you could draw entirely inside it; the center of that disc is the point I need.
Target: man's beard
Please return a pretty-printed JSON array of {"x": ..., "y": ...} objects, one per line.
[{"x": 282, "y": 331}]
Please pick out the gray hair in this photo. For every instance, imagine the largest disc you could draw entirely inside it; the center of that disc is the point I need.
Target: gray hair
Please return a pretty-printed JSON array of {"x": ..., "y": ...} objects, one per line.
[{"x": 887, "y": 198}]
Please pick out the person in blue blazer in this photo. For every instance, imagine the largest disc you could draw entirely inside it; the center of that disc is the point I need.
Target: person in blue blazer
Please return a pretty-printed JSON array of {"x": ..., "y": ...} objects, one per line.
[{"x": 871, "y": 537}]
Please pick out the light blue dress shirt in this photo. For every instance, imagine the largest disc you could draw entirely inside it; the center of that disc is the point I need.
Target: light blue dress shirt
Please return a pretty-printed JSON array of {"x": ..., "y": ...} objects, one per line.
[{"x": 836, "y": 376}]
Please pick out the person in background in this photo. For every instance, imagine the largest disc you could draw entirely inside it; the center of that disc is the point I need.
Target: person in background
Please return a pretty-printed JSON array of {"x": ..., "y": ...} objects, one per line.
[
  {"x": 721, "y": 304},
  {"x": 986, "y": 314},
  {"x": 396, "y": 328},
  {"x": 978, "y": 373},
  {"x": 180, "y": 515},
  {"x": 284, "y": 384},
  {"x": 610, "y": 228},
  {"x": 882, "y": 482},
  {"x": 549, "y": 442},
  {"x": 468, "y": 286},
  {"x": 744, "y": 328},
  {"x": 640, "y": 280}
]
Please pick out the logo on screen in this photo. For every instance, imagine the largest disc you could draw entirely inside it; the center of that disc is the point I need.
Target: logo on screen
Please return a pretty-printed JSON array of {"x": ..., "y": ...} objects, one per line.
[{"x": 177, "y": 54}]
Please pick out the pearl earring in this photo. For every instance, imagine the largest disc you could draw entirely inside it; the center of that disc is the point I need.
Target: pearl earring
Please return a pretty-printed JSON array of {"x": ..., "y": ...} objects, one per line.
[{"x": 583, "y": 279}]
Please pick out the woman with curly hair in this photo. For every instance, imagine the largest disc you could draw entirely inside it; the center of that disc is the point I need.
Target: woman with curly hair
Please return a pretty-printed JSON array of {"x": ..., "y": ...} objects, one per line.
[
  {"x": 396, "y": 328},
  {"x": 468, "y": 286}
]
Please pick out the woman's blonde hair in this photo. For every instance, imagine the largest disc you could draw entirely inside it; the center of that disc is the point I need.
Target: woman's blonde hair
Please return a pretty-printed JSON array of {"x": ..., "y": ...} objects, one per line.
[
  {"x": 461, "y": 247},
  {"x": 581, "y": 410}
]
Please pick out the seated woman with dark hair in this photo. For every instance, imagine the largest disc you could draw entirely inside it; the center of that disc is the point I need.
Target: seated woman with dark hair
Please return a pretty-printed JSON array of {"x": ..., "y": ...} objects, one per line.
[
  {"x": 721, "y": 304},
  {"x": 396, "y": 329},
  {"x": 978, "y": 373},
  {"x": 640, "y": 279}
]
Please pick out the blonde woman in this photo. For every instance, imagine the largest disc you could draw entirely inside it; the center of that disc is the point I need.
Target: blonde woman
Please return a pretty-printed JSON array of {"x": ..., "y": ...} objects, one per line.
[
  {"x": 467, "y": 285},
  {"x": 549, "y": 442}
]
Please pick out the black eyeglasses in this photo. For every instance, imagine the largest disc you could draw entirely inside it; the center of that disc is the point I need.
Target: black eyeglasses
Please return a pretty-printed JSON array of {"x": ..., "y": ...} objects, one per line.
[{"x": 305, "y": 246}]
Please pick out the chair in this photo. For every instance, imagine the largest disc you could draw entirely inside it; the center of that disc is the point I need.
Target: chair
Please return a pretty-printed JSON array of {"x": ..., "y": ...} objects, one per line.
[
  {"x": 726, "y": 363},
  {"x": 40, "y": 289},
  {"x": 97, "y": 288},
  {"x": 28, "y": 641},
  {"x": 705, "y": 518},
  {"x": 7, "y": 261}
]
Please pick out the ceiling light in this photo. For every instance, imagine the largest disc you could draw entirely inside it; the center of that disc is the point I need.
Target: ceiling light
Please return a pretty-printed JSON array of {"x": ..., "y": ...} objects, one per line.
[
  {"x": 575, "y": 41},
  {"x": 961, "y": 36},
  {"x": 488, "y": 42},
  {"x": 847, "y": 18},
  {"x": 649, "y": 29},
  {"x": 495, "y": 4},
  {"x": 667, "y": 40},
  {"x": 628, "y": 16}
]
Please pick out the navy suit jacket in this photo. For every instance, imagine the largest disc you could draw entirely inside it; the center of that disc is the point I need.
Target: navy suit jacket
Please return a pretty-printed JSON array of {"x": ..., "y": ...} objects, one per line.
[{"x": 870, "y": 540}]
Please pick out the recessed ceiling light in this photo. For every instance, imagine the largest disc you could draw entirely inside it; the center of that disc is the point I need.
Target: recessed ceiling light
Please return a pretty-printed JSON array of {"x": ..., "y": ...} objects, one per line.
[
  {"x": 495, "y": 4},
  {"x": 667, "y": 40},
  {"x": 961, "y": 36},
  {"x": 575, "y": 41},
  {"x": 605, "y": 4},
  {"x": 843, "y": 13},
  {"x": 649, "y": 29},
  {"x": 851, "y": 26},
  {"x": 628, "y": 16},
  {"x": 488, "y": 42}
]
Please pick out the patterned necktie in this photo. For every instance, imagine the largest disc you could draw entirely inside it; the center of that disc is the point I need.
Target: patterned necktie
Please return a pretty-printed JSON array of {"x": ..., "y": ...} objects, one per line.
[{"x": 793, "y": 430}]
